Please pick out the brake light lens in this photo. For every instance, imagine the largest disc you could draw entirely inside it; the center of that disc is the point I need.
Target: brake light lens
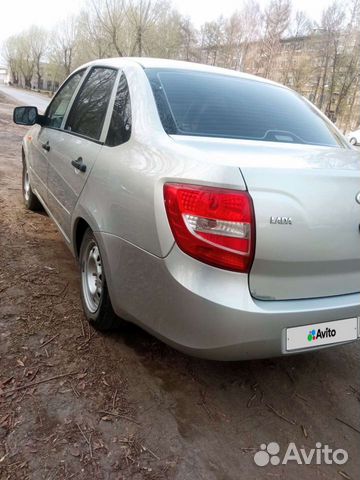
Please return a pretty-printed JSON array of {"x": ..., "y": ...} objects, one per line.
[{"x": 213, "y": 225}]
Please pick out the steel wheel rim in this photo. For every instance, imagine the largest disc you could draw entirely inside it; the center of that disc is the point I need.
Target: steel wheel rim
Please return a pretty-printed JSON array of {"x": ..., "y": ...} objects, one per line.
[
  {"x": 26, "y": 185},
  {"x": 92, "y": 277}
]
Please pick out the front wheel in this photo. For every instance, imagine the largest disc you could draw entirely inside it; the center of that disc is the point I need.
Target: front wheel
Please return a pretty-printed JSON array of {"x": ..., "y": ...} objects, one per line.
[
  {"x": 94, "y": 293},
  {"x": 30, "y": 199},
  {"x": 353, "y": 141}
]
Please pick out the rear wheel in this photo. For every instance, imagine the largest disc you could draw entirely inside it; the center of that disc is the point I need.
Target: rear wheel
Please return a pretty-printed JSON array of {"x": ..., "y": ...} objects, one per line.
[
  {"x": 30, "y": 199},
  {"x": 353, "y": 141},
  {"x": 94, "y": 293}
]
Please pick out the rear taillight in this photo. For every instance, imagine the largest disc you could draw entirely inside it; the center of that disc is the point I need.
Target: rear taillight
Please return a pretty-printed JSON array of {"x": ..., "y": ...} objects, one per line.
[{"x": 213, "y": 225}]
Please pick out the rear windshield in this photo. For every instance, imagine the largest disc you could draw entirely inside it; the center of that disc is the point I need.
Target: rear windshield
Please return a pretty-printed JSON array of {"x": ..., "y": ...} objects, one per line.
[{"x": 215, "y": 105}]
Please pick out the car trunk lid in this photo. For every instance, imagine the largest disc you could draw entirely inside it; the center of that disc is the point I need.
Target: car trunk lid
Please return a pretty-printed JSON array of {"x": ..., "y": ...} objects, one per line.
[
  {"x": 308, "y": 242},
  {"x": 307, "y": 216}
]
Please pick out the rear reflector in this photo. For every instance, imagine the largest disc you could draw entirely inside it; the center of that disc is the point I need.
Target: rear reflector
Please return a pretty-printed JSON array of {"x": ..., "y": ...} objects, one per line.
[{"x": 213, "y": 225}]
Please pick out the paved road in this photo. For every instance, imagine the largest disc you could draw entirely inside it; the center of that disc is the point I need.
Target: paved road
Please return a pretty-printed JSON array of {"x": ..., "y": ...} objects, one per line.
[{"x": 26, "y": 97}]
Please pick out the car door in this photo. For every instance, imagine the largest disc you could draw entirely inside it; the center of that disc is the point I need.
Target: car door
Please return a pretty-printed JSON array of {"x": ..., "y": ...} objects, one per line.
[
  {"x": 46, "y": 135},
  {"x": 78, "y": 144}
]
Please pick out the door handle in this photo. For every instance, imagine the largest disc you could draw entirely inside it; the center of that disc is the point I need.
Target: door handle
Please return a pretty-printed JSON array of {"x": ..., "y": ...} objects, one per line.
[
  {"x": 78, "y": 164},
  {"x": 46, "y": 146}
]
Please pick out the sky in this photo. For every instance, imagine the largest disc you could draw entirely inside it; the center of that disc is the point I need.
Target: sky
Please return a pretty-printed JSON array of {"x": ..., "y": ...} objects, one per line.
[{"x": 17, "y": 15}]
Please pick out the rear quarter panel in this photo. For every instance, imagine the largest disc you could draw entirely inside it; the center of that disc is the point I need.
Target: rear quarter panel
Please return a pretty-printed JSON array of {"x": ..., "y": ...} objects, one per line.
[{"x": 124, "y": 192}]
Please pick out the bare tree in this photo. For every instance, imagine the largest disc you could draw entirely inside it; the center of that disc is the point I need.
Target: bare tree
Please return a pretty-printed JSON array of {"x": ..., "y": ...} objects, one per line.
[
  {"x": 188, "y": 38},
  {"x": 92, "y": 39},
  {"x": 38, "y": 39},
  {"x": 277, "y": 19},
  {"x": 26, "y": 59},
  {"x": 347, "y": 74},
  {"x": 212, "y": 40},
  {"x": 12, "y": 57},
  {"x": 166, "y": 38},
  {"x": 331, "y": 23},
  {"x": 110, "y": 18},
  {"x": 295, "y": 71},
  {"x": 252, "y": 20},
  {"x": 301, "y": 25},
  {"x": 233, "y": 36},
  {"x": 143, "y": 15},
  {"x": 65, "y": 43}
]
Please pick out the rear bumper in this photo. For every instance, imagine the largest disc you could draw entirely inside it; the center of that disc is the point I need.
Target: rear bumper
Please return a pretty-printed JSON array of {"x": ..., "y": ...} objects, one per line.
[{"x": 205, "y": 311}]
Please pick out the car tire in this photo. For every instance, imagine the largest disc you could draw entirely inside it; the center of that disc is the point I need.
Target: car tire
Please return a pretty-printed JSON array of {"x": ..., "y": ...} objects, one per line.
[
  {"x": 353, "y": 141},
  {"x": 94, "y": 292},
  {"x": 30, "y": 199}
]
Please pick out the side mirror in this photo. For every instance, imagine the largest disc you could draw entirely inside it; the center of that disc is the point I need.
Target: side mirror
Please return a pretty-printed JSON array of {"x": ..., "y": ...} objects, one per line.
[{"x": 26, "y": 115}]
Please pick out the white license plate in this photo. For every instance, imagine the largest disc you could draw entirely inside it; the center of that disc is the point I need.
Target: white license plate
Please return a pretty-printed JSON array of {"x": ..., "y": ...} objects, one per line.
[{"x": 318, "y": 334}]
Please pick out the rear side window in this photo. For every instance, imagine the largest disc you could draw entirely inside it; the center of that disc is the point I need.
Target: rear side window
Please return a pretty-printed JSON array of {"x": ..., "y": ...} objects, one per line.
[
  {"x": 88, "y": 112},
  {"x": 215, "y": 105},
  {"x": 58, "y": 106},
  {"x": 120, "y": 125}
]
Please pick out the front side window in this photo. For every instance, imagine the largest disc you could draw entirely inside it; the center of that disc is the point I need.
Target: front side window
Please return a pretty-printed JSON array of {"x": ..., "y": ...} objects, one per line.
[
  {"x": 120, "y": 125},
  {"x": 58, "y": 106},
  {"x": 88, "y": 112},
  {"x": 216, "y": 105}
]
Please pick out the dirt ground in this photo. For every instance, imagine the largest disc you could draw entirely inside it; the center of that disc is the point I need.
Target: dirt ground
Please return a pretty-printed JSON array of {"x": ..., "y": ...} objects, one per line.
[{"x": 76, "y": 404}]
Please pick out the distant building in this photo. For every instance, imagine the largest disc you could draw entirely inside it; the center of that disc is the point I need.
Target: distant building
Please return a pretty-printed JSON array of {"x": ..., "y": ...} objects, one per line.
[
  {"x": 307, "y": 65},
  {"x": 4, "y": 75}
]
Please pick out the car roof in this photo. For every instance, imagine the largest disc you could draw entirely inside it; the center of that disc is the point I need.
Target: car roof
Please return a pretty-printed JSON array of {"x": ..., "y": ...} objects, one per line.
[{"x": 148, "y": 62}]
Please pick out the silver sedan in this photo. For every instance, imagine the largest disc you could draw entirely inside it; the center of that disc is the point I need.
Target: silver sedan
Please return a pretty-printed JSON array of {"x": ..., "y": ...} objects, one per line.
[{"x": 217, "y": 210}]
